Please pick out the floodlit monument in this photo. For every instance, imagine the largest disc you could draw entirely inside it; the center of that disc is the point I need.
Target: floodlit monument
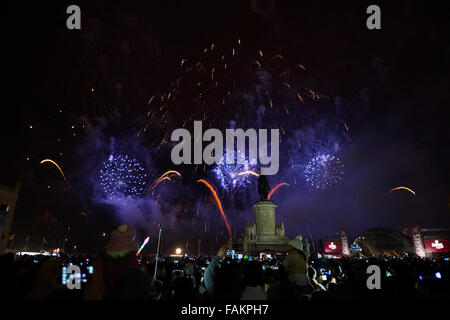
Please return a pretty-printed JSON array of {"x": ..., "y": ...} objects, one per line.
[{"x": 264, "y": 235}]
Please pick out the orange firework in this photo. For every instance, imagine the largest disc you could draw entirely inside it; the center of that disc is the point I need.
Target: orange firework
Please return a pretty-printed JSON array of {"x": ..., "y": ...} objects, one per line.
[
  {"x": 399, "y": 188},
  {"x": 56, "y": 165},
  {"x": 276, "y": 188},
  {"x": 153, "y": 187},
  {"x": 163, "y": 177},
  {"x": 213, "y": 191}
]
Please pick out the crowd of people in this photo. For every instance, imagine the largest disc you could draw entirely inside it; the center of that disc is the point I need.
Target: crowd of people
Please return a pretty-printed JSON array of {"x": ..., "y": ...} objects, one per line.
[{"x": 118, "y": 274}]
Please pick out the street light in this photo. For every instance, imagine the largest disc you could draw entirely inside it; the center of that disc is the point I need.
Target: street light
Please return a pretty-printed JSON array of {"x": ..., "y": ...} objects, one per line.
[{"x": 157, "y": 250}]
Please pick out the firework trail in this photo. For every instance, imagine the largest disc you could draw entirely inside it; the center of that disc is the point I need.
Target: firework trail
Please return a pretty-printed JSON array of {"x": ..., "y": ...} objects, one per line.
[
  {"x": 164, "y": 176},
  {"x": 400, "y": 188},
  {"x": 234, "y": 83},
  {"x": 249, "y": 172},
  {"x": 213, "y": 191},
  {"x": 276, "y": 188},
  {"x": 74, "y": 193},
  {"x": 57, "y": 166},
  {"x": 159, "y": 181},
  {"x": 142, "y": 246}
]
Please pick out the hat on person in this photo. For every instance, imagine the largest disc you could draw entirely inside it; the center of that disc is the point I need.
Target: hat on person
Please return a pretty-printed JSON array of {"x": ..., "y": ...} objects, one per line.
[
  {"x": 297, "y": 243},
  {"x": 122, "y": 241}
]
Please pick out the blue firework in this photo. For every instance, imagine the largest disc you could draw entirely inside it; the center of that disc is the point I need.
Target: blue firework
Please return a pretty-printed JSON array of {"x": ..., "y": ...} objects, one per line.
[
  {"x": 122, "y": 176},
  {"x": 228, "y": 175},
  {"x": 324, "y": 171}
]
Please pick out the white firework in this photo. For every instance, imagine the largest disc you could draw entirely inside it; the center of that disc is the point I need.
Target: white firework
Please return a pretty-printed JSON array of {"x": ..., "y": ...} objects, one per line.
[
  {"x": 324, "y": 171},
  {"x": 122, "y": 177}
]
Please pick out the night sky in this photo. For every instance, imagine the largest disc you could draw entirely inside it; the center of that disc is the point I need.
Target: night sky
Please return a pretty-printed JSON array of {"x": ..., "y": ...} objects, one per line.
[{"x": 78, "y": 96}]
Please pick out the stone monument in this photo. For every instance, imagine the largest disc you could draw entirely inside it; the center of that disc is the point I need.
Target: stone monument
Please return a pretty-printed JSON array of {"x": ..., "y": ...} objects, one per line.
[{"x": 264, "y": 234}]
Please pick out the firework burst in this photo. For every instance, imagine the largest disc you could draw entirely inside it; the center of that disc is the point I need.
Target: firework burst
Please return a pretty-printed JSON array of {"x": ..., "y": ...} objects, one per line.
[
  {"x": 122, "y": 177},
  {"x": 233, "y": 84},
  {"x": 230, "y": 177},
  {"x": 324, "y": 171}
]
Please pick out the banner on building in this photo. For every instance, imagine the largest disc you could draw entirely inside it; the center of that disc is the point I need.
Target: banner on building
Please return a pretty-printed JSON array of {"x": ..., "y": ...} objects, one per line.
[
  {"x": 417, "y": 240},
  {"x": 332, "y": 246},
  {"x": 437, "y": 245},
  {"x": 344, "y": 242}
]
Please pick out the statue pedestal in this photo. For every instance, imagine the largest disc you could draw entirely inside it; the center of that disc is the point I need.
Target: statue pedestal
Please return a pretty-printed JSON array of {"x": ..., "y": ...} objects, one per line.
[
  {"x": 265, "y": 221},
  {"x": 264, "y": 234}
]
